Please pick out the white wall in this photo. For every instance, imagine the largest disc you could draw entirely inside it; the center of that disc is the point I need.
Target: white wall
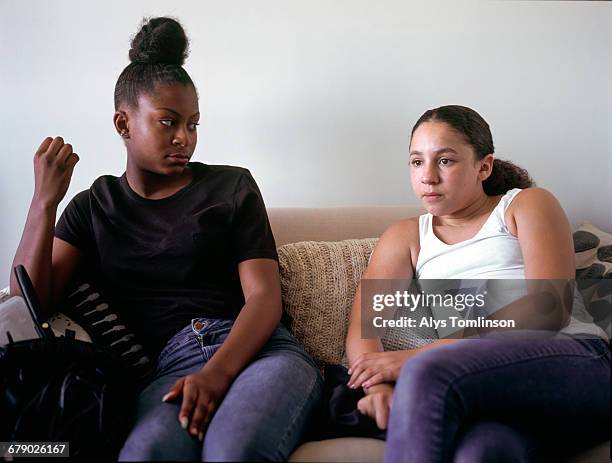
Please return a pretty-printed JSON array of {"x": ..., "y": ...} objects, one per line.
[{"x": 318, "y": 98}]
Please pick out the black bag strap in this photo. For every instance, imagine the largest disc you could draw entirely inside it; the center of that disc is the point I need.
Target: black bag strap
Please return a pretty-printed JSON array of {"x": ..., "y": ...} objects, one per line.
[{"x": 32, "y": 301}]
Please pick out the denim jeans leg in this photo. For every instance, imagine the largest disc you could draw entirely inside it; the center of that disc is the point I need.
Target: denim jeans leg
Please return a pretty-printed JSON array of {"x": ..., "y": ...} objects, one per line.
[
  {"x": 486, "y": 441},
  {"x": 559, "y": 387},
  {"x": 157, "y": 434},
  {"x": 266, "y": 410}
]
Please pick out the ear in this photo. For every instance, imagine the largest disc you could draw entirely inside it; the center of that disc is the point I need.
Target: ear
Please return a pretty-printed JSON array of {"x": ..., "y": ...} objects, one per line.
[
  {"x": 486, "y": 167},
  {"x": 120, "y": 120}
]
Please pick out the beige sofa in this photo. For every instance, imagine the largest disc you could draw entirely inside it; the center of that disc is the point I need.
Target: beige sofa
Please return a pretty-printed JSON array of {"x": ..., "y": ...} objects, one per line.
[{"x": 291, "y": 225}]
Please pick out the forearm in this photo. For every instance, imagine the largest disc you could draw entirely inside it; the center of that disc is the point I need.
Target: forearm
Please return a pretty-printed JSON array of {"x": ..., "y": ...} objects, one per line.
[
  {"x": 35, "y": 250},
  {"x": 355, "y": 343},
  {"x": 257, "y": 320},
  {"x": 399, "y": 358},
  {"x": 546, "y": 308},
  {"x": 355, "y": 346}
]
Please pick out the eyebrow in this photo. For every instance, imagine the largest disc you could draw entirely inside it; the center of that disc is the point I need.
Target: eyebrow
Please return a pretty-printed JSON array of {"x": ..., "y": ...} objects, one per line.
[
  {"x": 177, "y": 113},
  {"x": 439, "y": 151}
]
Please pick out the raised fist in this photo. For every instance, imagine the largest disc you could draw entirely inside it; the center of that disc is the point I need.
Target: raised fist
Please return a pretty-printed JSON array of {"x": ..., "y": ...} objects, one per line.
[{"x": 54, "y": 163}]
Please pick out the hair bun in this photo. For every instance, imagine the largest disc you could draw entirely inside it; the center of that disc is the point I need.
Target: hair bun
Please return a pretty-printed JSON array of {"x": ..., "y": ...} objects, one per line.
[{"x": 160, "y": 40}]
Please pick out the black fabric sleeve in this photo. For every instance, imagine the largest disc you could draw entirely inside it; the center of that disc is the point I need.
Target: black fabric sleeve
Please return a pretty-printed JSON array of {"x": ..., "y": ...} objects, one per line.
[
  {"x": 251, "y": 232},
  {"x": 74, "y": 225}
]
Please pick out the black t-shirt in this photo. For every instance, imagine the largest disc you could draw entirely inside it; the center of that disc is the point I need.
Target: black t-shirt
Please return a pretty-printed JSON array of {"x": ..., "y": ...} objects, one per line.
[{"x": 163, "y": 262}]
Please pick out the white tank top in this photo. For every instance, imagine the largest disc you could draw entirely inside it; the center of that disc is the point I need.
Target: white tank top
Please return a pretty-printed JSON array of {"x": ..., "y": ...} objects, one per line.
[{"x": 493, "y": 253}]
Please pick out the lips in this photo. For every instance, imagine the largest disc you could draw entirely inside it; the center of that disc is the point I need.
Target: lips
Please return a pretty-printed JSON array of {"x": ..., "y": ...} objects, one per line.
[
  {"x": 179, "y": 156},
  {"x": 431, "y": 197}
]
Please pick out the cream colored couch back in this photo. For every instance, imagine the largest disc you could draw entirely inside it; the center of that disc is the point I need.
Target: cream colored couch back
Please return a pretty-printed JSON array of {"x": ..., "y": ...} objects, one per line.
[{"x": 293, "y": 224}]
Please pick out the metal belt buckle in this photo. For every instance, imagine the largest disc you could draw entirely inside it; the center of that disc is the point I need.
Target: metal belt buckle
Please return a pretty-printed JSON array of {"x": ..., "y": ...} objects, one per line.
[{"x": 197, "y": 326}]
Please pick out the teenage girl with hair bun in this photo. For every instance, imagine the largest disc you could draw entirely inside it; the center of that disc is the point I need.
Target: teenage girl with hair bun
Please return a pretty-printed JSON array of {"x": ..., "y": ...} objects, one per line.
[
  {"x": 495, "y": 398},
  {"x": 186, "y": 251}
]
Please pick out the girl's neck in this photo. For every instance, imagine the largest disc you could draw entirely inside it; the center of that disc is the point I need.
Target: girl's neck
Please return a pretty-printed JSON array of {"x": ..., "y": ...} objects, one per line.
[
  {"x": 150, "y": 185},
  {"x": 481, "y": 205}
]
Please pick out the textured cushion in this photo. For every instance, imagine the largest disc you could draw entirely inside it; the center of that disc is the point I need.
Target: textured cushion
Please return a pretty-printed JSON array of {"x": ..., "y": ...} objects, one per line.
[
  {"x": 593, "y": 249},
  {"x": 319, "y": 280}
]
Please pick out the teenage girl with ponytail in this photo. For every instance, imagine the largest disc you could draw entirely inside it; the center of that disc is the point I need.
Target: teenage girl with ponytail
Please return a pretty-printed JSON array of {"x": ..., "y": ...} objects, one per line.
[
  {"x": 186, "y": 252},
  {"x": 492, "y": 398}
]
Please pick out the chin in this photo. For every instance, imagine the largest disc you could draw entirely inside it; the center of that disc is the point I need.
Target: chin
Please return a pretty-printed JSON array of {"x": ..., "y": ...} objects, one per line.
[
  {"x": 435, "y": 209},
  {"x": 172, "y": 170}
]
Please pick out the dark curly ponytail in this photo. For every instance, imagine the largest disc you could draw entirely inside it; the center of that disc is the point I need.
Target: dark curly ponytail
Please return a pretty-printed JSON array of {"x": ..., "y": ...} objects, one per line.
[
  {"x": 157, "y": 54},
  {"x": 505, "y": 175}
]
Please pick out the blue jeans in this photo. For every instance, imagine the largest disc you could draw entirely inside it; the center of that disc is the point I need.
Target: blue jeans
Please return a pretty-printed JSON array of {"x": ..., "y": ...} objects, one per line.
[
  {"x": 262, "y": 416},
  {"x": 496, "y": 399}
]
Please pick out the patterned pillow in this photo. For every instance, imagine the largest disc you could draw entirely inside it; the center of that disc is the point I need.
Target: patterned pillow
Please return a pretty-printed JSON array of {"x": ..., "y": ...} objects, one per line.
[
  {"x": 593, "y": 249},
  {"x": 319, "y": 280}
]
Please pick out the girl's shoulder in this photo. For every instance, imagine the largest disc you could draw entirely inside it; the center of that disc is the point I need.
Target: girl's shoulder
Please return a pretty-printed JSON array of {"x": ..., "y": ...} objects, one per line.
[
  {"x": 226, "y": 177},
  {"x": 534, "y": 204},
  {"x": 218, "y": 168},
  {"x": 405, "y": 230},
  {"x": 399, "y": 244}
]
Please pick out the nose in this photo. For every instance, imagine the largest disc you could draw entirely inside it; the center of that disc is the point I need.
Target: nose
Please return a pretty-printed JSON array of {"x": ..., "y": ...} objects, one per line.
[
  {"x": 182, "y": 138},
  {"x": 179, "y": 140},
  {"x": 429, "y": 174}
]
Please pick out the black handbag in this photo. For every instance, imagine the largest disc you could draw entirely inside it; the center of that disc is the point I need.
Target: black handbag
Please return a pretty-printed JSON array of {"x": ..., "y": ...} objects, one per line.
[
  {"x": 59, "y": 389},
  {"x": 65, "y": 390}
]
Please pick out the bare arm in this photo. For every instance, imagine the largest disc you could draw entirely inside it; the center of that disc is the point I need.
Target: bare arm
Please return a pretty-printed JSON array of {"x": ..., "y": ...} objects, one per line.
[
  {"x": 35, "y": 250},
  {"x": 257, "y": 320},
  {"x": 392, "y": 258},
  {"x": 545, "y": 238},
  {"x": 544, "y": 234},
  {"x": 49, "y": 261}
]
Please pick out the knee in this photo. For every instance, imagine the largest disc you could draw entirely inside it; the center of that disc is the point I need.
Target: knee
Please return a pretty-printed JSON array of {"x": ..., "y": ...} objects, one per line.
[
  {"x": 427, "y": 371},
  {"x": 157, "y": 435},
  {"x": 492, "y": 441},
  {"x": 265, "y": 413},
  {"x": 153, "y": 444},
  {"x": 225, "y": 450}
]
